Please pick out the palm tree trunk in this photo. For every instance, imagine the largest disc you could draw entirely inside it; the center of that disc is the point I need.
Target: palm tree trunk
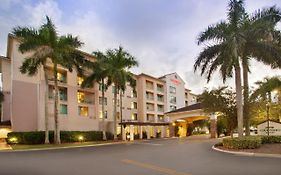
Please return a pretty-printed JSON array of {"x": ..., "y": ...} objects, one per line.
[
  {"x": 239, "y": 100},
  {"x": 246, "y": 98},
  {"x": 47, "y": 140},
  {"x": 121, "y": 118},
  {"x": 115, "y": 114},
  {"x": 57, "y": 131},
  {"x": 103, "y": 111}
]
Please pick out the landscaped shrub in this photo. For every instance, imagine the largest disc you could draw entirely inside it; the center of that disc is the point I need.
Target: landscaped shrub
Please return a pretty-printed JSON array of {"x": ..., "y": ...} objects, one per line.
[
  {"x": 198, "y": 132},
  {"x": 38, "y": 137},
  {"x": 271, "y": 139},
  {"x": 137, "y": 136},
  {"x": 144, "y": 135},
  {"x": 242, "y": 143}
]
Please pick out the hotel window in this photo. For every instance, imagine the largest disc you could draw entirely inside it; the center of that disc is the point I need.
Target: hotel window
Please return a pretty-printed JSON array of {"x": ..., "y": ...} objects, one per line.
[
  {"x": 100, "y": 100},
  {"x": 160, "y": 108},
  {"x": 63, "y": 94},
  {"x": 133, "y": 93},
  {"x": 172, "y": 108},
  {"x": 113, "y": 90},
  {"x": 186, "y": 103},
  {"x": 172, "y": 90},
  {"x": 100, "y": 87},
  {"x": 80, "y": 80},
  {"x": 63, "y": 109},
  {"x": 173, "y": 100},
  {"x": 118, "y": 101},
  {"x": 160, "y": 88},
  {"x": 134, "y": 116},
  {"x": 105, "y": 114},
  {"x": 134, "y": 105},
  {"x": 160, "y": 98},
  {"x": 161, "y": 118},
  {"x": 83, "y": 111}
]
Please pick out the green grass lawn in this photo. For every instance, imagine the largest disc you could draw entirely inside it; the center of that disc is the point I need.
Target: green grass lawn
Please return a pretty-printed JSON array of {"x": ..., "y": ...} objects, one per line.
[{"x": 25, "y": 147}]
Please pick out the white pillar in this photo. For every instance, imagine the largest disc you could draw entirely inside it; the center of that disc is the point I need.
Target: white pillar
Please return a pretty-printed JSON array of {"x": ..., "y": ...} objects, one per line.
[
  {"x": 124, "y": 134},
  {"x": 154, "y": 131},
  {"x": 162, "y": 131},
  {"x": 140, "y": 131},
  {"x": 131, "y": 132},
  {"x": 148, "y": 131}
]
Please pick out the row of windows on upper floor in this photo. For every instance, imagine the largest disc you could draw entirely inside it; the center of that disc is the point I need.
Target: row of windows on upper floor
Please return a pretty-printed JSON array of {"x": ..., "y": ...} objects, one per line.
[{"x": 84, "y": 112}]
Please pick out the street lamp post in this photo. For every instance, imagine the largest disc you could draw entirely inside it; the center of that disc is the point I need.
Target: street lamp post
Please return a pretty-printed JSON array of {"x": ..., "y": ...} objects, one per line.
[{"x": 267, "y": 115}]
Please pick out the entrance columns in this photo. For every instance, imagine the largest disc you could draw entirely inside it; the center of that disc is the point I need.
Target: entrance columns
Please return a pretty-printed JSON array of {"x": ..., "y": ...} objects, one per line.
[
  {"x": 148, "y": 129},
  {"x": 213, "y": 128},
  {"x": 124, "y": 134},
  {"x": 140, "y": 132},
  {"x": 131, "y": 132},
  {"x": 163, "y": 131},
  {"x": 154, "y": 131},
  {"x": 172, "y": 129}
]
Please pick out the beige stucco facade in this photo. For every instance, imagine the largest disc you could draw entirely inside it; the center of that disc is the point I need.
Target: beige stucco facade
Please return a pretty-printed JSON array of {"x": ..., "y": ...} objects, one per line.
[{"x": 79, "y": 108}]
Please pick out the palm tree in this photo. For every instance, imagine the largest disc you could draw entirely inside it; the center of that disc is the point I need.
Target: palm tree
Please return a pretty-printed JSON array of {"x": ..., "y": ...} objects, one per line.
[
  {"x": 118, "y": 63},
  {"x": 99, "y": 74},
  {"x": 46, "y": 44},
  {"x": 266, "y": 87},
  {"x": 224, "y": 53},
  {"x": 257, "y": 30}
]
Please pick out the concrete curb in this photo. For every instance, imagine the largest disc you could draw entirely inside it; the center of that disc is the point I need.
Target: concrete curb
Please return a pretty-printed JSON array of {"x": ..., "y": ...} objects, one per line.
[
  {"x": 58, "y": 148},
  {"x": 247, "y": 153},
  {"x": 83, "y": 146}
]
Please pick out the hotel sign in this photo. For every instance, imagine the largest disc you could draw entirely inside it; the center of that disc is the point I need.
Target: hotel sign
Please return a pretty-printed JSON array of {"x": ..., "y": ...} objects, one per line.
[
  {"x": 175, "y": 81},
  {"x": 274, "y": 128}
]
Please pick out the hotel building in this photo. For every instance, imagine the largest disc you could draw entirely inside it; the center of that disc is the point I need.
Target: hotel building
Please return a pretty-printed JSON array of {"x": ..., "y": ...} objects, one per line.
[{"x": 143, "y": 109}]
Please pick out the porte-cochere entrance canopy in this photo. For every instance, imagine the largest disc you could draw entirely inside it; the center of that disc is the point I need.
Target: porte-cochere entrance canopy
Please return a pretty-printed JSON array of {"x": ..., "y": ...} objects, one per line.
[{"x": 181, "y": 117}]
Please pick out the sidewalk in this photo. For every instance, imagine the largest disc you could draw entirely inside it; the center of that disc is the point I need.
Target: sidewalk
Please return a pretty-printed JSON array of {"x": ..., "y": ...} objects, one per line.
[{"x": 3, "y": 145}]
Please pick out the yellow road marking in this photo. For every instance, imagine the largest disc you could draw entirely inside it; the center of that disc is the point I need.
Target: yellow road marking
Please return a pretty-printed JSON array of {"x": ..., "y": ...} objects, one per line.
[{"x": 154, "y": 167}]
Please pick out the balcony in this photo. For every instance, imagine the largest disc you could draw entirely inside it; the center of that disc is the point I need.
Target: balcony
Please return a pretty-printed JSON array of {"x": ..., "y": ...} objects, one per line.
[
  {"x": 160, "y": 108},
  {"x": 83, "y": 111},
  {"x": 149, "y": 85},
  {"x": 149, "y": 96},
  {"x": 160, "y": 118},
  {"x": 62, "y": 93},
  {"x": 85, "y": 97},
  {"x": 61, "y": 75},
  {"x": 160, "y": 88},
  {"x": 150, "y": 107},
  {"x": 150, "y": 118},
  {"x": 160, "y": 98}
]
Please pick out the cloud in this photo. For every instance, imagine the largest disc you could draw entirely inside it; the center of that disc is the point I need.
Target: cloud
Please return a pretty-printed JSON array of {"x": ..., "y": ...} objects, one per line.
[
  {"x": 38, "y": 12},
  {"x": 162, "y": 36}
]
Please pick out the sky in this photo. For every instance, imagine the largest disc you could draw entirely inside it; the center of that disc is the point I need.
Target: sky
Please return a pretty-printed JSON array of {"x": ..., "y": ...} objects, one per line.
[{"x": 161, "y": 34}]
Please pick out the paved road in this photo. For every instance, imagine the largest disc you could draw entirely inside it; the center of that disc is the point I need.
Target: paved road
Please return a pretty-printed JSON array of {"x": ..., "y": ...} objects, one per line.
[{"x": 192, "y": 156}]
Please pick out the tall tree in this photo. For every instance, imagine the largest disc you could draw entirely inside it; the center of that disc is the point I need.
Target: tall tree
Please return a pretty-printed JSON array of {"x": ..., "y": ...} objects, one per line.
[
  {"x": 46, "y": 44},
  {"x": 99, "y": 74},
  {"x": 257, "y": 30},
  {"x": 118, "y": 63},
  {"x": 221, "y": 101},
  {"x": 223, "y": 54}
]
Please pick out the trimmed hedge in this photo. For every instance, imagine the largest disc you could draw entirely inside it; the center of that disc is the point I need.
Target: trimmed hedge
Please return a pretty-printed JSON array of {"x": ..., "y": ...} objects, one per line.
[
  {"x": 249, "y": 142},
  {"x": 38, "y": 137},
  {"x": 270, "y": 139}
]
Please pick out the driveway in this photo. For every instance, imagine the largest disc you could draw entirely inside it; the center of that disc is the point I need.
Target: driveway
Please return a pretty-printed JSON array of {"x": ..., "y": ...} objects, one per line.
[{"x": 184, "y": 156}]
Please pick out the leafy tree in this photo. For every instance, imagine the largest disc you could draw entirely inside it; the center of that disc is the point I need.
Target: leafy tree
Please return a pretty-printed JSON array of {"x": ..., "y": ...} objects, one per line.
[
  {"x": 222, "y": 102},
  {"x": 46, "y": 45}
]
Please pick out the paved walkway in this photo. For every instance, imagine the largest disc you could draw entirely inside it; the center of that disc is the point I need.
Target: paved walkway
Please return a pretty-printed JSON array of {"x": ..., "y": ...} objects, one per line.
[{"x": 3, "y": 145}]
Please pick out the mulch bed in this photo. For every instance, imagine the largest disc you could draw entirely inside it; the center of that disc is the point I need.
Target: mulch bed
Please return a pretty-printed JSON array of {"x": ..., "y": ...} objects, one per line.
[{"x": 265, "y": 148}]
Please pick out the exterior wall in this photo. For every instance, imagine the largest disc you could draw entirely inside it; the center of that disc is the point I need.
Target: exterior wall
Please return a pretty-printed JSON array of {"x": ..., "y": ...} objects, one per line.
[
  {"x": 6, "y": 88},
  {"x": 174, "y": 80},
  {"x": 25, "y": 98},
  {"x": 190, "y": 98},
  {"x": 143, "y": 101}
]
